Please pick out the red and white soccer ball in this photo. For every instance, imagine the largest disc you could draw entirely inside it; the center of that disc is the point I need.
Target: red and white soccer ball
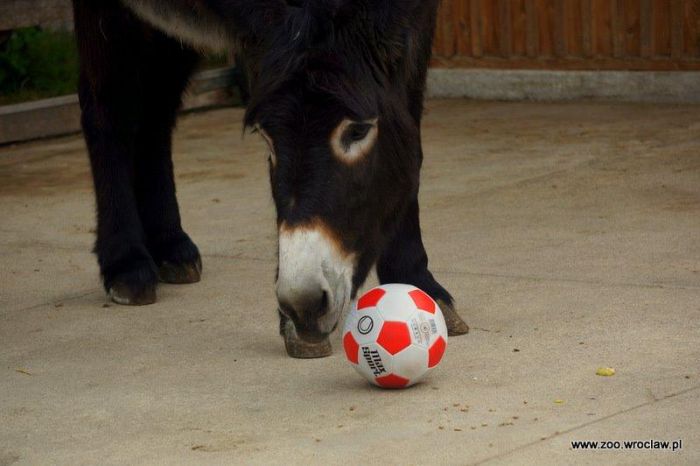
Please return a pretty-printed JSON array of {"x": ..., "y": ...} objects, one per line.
[{"x": 395, "y": 335}]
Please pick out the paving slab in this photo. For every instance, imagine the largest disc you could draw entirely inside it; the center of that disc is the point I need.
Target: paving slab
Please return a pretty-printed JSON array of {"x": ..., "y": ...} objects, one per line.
[{"x": 568, "y": 234}]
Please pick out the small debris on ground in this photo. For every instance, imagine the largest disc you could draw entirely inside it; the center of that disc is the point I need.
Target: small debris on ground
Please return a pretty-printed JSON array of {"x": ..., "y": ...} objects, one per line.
[
  {"x": 605, "y": 371},
  {"x": 559, "y": 402},
  {"x": 23, "y": 371}
]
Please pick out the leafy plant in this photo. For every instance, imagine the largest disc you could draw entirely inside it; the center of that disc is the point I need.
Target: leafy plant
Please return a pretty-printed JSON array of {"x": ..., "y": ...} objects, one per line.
[{"x": 35, "y": 63}]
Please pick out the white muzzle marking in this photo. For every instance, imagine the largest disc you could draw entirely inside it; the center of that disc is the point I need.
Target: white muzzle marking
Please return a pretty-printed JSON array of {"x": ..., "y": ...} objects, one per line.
[{"x": 310, "y": 261}]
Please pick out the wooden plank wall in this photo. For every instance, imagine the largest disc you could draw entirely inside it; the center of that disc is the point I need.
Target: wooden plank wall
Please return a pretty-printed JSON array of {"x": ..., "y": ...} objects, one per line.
[
  {"x": 569, "y": 34},
  {"x": 15, "y": 14}
]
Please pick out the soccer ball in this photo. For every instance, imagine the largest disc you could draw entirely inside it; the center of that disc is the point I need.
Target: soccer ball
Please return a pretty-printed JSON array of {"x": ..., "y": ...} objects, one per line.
[{"x": 395, "y": 335}]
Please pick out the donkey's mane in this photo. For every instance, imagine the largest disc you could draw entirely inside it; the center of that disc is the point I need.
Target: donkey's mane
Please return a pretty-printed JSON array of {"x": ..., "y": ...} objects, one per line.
[{"x": 324, "y": 40}]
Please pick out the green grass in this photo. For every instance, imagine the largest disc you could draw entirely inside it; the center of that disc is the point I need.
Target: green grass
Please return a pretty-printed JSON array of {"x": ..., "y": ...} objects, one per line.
[{"x": 36, "y": 64}]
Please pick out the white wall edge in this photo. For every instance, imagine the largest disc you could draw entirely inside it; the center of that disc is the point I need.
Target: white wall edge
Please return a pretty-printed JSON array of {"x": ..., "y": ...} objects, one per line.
[{"x": 544, "y": 85}]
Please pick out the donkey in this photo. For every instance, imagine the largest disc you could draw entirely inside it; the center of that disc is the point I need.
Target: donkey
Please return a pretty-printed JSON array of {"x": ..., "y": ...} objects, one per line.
[{"x": 336, "y": 92}]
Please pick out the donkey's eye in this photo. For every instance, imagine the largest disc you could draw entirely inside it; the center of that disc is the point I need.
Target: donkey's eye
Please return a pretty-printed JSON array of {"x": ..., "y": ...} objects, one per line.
[
  {"x": 357, "y": 132},
  {"x": 353, "y": 140}
]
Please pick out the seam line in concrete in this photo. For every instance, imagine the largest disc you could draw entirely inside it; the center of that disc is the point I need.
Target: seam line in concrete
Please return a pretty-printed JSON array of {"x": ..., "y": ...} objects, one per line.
[
  {"x": 585, "y": 424},
  {"x": 48, "y": 303},
  {"x": 662, "y": 286}
]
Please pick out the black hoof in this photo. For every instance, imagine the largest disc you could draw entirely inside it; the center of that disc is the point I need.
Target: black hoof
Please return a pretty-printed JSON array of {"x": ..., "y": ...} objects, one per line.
[
  {"x": 121, "y": 293},
  {"x": 178, "y": 260},
  {"x": 300, "y": 349},
  {"x": 455, "y": 324},
  {"x": 135, "y": 286},
  {"x": 180, "y": 273}
]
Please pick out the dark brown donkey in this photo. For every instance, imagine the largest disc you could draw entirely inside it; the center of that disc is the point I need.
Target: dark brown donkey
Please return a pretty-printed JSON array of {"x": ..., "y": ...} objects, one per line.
[{"x": 337, "y": 93}]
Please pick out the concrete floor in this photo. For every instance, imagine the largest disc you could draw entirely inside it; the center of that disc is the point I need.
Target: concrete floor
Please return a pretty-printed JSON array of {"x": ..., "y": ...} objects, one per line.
[{"x": 568, "y": 233}]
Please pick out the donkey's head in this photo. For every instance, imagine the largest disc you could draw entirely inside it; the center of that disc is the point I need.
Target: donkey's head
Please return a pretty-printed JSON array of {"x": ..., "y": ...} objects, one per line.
[{"x": 331, "y": 98}]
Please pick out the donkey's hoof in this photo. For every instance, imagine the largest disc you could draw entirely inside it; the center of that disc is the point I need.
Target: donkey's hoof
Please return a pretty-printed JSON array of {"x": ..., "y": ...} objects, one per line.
[
  {"x": 121, "y": 293},
  {"x": 191, "y": 272},
  {"x": 301, "y": 349},
  {"x": 455, "y": 324}
]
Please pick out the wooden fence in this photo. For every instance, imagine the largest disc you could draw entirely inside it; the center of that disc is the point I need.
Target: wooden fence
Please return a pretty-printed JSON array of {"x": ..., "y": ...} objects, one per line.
[{"x": 569, "y": 34}]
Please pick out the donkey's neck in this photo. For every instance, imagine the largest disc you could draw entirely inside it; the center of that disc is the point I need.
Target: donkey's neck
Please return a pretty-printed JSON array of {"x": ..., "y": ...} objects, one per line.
[{"x": 189, "y": 21}]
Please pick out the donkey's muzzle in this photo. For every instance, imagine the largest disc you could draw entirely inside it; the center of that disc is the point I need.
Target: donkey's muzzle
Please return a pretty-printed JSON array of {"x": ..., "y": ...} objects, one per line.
[{"x": 314, "y": 281}]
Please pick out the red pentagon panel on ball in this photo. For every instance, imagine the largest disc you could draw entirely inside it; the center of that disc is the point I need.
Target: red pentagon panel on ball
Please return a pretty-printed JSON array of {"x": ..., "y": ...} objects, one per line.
[
  {"x": 394, "y": 336},
  {"x": 370, "y": 299},
  {"x": 392, "y": 381},
  {"x": 436, "y": 351},
  {"x": 423, "y": 301},
  {"x": 351, "y": 348}
]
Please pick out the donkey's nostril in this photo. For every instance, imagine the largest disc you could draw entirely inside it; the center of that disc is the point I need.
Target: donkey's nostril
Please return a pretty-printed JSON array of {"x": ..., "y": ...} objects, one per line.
[
  {"x": 304, "y": 308},
  {"x": 323, "y": 307}
]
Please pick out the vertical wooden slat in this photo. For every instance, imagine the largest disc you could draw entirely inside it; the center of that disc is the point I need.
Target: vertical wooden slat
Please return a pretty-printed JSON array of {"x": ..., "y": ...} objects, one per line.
[
  {"x": 533, "y": 33},
  {"x": 573, "y": 28},
  {"x": 490, "y": 28},
  {"x": 504, "y": 21},
  {"x": 518, "y": 21},
  {"x": 545, "y": 23},
  {"x": 646, "y": 30},
  {"x": 600, "y": 28},
  {"x": 559, "y": 33},
  {"x": 463, "y": 28},
  {"x": 691, "y": 31},
  {"x": 586, "y": 24},
  {"x": 446, "y": 36},
  {"x": 475, "y": 20},
  {"x": 676, "y": 29},
  {"x": 661, "y": 17},
  {"x": 617, "y": 25},
  {"x": 631, "y": 27}
]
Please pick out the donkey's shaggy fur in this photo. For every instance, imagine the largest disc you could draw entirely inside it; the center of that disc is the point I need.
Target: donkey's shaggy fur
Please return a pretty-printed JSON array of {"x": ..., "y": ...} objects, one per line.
[{"x": 319, "y": 69}]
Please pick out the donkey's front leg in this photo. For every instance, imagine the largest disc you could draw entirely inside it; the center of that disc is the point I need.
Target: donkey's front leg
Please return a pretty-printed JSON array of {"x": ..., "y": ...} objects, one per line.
[
  {"x": 165, "y": 66},
  {"x": 405, "y": 261},
  {"x": 128, "y": 271},
  {"x": 109, "y": 42}
]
